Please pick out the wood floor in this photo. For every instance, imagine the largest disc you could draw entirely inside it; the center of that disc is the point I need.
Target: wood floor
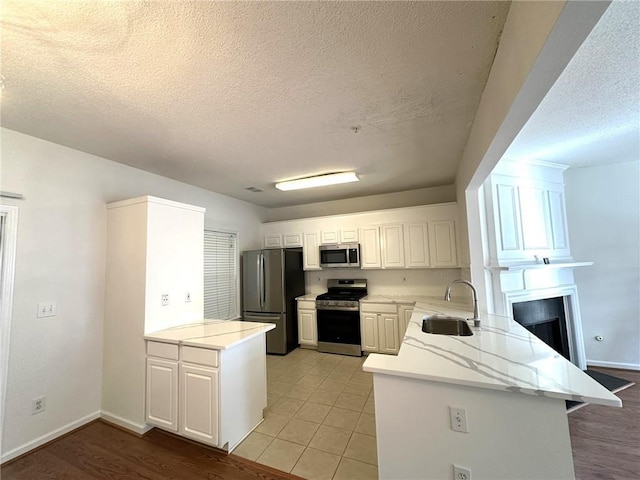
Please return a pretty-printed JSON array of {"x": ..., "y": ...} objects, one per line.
[
  {"x": 606, "y": 446},
  {"x": 606, "y": 440},
  {"x": 101, "y": 451}
]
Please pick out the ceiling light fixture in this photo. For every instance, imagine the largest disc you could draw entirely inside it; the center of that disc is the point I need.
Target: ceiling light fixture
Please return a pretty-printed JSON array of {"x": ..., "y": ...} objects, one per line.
[{"x": 318, "y": 181}]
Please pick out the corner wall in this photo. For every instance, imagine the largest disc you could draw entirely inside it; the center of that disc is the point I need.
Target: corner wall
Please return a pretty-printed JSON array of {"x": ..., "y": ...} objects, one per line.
[
  {"x": 603, "y": 212},
  {"x": 61, "y": 258},
  {"x": 538, "y": 41}
]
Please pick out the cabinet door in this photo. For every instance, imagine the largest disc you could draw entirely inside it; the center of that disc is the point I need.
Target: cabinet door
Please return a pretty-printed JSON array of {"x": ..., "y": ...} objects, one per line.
[
  {"x": 349, "y": 235},
  {"x": 291, "y": 240},
  {"x": 404, "y": 316},
  {"x": 392, "y": 246},
  {"x": 199, "y": 403},
  {"x": 307, "y": 327},
  {"x": 416, "y": 245},
  {"x": 369, "y": 331},
  {"x": 370, "y": 247},
  {"x": 162, "y": 393},
  {"x": 311, "y": 255},
  {"x": 272, "y": 241},
  {"x": 442, "y": 244},
  {"x": 534, "y": 212},
  {"x": 388, "y": 338},
  {"x": 329, "y": 237}
]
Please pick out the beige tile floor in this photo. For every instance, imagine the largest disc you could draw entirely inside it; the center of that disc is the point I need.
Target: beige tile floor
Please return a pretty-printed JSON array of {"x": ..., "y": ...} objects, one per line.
[{"x": 319, "y": 422}]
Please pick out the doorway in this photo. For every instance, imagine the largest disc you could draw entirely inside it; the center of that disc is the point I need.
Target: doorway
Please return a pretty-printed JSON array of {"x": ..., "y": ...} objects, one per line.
[{"x": 8, "y": 239}]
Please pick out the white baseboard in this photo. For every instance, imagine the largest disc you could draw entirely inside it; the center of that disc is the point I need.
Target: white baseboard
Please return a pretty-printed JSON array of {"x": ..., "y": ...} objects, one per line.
[
  {"x": 140, "y": 429},
  {"x": 623, "y": 366},
  {"x": 21, "y": 450}
]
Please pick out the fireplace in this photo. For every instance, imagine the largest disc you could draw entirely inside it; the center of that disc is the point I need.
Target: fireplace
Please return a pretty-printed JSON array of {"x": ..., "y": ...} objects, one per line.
[{"x": 546, "y": 319}]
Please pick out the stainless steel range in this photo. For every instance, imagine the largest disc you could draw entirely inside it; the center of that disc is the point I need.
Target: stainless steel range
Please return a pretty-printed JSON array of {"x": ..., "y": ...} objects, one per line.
[{"x": 339, "y": 317}]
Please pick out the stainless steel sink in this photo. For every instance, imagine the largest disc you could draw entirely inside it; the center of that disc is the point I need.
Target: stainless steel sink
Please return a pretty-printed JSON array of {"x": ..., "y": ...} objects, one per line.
[{"x": 445, "y": 325}]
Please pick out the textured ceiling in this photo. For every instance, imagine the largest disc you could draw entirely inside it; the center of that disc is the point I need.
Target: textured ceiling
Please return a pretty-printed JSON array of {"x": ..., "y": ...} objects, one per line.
[
  {"x": 229, "y": 95},
  {"x": 591, "y": 116}
]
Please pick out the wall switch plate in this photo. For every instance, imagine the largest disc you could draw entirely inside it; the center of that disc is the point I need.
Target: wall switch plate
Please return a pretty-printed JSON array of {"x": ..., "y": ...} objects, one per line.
[
  {"x": 47, "y": 310},
  {"x": 38, "y": 405},
  {"x": 461, "y": 473},
  {"x": 458, "y": 419},
  {"x": 165, "y": 299},
  {"x": 187, "y": 297}
]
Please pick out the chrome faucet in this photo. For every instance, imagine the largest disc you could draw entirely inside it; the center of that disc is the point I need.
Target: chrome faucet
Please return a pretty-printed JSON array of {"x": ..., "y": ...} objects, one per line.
[{"x": 447, "y": 297}]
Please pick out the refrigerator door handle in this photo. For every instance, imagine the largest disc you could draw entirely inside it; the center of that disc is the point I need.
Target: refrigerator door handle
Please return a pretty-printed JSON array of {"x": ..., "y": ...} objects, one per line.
[{"x": 261, "y": 280}]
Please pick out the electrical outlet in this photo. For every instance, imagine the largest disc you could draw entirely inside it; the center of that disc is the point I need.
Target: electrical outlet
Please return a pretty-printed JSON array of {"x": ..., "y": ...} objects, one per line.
[
  {"x": 458, "y": 419},
  {"x": 47, "y": 310},
  {"x": 165, "y": 299},
  {"x": 461, "y": 473},
  {"x": 187, "y": 297},
  {"x": 38, "y": 405}
]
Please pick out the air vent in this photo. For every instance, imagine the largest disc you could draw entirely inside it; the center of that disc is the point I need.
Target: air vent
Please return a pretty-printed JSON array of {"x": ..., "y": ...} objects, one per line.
[{"x": 253, "y": 189}]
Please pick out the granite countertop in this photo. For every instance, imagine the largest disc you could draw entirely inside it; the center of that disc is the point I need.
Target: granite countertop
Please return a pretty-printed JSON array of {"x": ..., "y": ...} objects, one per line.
[
  {"x": 216, "y": 334},
  {"x": 501, "y": 355}
]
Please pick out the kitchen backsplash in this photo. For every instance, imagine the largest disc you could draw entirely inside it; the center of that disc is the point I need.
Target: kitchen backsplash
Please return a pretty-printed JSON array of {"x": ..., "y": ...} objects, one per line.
[{"x": 429, "y": 282}]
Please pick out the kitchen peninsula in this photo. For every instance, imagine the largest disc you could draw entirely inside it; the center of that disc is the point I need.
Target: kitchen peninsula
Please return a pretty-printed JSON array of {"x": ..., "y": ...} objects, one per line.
[
  {"x": 207, "y": 381},
  {"x": 502, "y": 385}
]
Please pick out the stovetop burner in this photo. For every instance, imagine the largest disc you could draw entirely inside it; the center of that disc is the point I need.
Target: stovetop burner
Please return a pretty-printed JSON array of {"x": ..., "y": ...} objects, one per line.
[{"x": 342, "y": 295}]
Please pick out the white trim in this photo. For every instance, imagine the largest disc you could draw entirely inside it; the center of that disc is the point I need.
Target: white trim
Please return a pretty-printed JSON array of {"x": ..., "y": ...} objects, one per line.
[
  {"x": 9, "y": 241},
  {"x": 138, "y": 428},
  {"x": 38, "y": 442},
  {"x": 622, "y": 366}
]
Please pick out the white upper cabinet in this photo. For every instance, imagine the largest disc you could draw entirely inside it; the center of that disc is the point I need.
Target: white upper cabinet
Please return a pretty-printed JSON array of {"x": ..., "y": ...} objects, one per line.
[
  {"x": 370, "y": 247},
  {"x": 330, "y": 237},
  {"x": 272, "y": 241},
  {"x": 442, "y": 244},
  {"x": 310, "y": 251},
  {"x": 392, "y": 246},
  {"x": 416, "y": 245},
  {"x": 526, "y": 213},
  {"x": 349, "y": 235},
  {"x": 290, "y": 240},
  {"x": 410, "y": 237},
  {"x": 339, "y": 235}
]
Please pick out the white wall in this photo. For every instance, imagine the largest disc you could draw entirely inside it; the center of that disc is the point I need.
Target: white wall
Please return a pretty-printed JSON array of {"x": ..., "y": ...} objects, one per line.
[
  {"x": 603, "y": 213},
  {"x": 61, "y": 258},
  {"x": 537, "y": 42}
]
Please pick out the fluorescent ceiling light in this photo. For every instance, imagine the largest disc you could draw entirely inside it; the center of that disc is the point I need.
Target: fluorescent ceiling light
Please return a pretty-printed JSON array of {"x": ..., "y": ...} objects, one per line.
[{"x": 318, "y": 181}]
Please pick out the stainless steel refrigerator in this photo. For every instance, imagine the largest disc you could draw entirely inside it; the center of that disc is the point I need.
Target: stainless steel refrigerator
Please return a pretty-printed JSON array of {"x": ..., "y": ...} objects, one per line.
[{"x": 272, "y": 279}]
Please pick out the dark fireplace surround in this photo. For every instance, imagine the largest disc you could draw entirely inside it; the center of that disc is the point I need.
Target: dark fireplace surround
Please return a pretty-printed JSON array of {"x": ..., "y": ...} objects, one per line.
[{"x": 546, "y": 319}]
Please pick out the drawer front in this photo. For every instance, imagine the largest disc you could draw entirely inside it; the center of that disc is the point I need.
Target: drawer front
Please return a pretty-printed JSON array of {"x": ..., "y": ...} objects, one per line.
[
  {"x": 379, "y": 307},
  {"x": 201, "y": 356},
  {"x": 162, "y": 350},
  {"x": 306, "y": 305}
]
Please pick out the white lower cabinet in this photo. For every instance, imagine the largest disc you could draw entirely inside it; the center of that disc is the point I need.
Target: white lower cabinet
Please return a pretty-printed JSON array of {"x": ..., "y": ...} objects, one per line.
[
  {"x": 388, "y": 338},
  {"x": 369, "y": 331},
  {"x": 162, "y": 393},
  {"x": 188, "y": 389},
  {"x": 307, "y": 323},
  {"x": 199, "y": 403},
  {"x": 404, "y": 316},
  {"x": 379, "y": 327}
]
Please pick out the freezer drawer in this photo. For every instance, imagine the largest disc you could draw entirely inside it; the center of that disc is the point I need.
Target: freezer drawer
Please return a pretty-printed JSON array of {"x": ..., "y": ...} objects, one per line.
[{"x": 276, "y": 338}]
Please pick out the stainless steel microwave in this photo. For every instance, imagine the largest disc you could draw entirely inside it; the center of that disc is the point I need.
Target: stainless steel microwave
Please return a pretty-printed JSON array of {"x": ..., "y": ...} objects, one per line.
[{"x": 346, "y": 255}]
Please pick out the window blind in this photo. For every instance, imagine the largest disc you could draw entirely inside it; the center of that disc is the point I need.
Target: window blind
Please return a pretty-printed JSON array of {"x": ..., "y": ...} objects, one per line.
[{"x": 220, "y": 275}]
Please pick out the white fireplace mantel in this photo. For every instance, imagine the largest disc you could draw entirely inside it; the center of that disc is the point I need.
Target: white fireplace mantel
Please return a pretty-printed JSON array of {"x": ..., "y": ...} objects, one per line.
[{"x": 516, "y": 267}]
